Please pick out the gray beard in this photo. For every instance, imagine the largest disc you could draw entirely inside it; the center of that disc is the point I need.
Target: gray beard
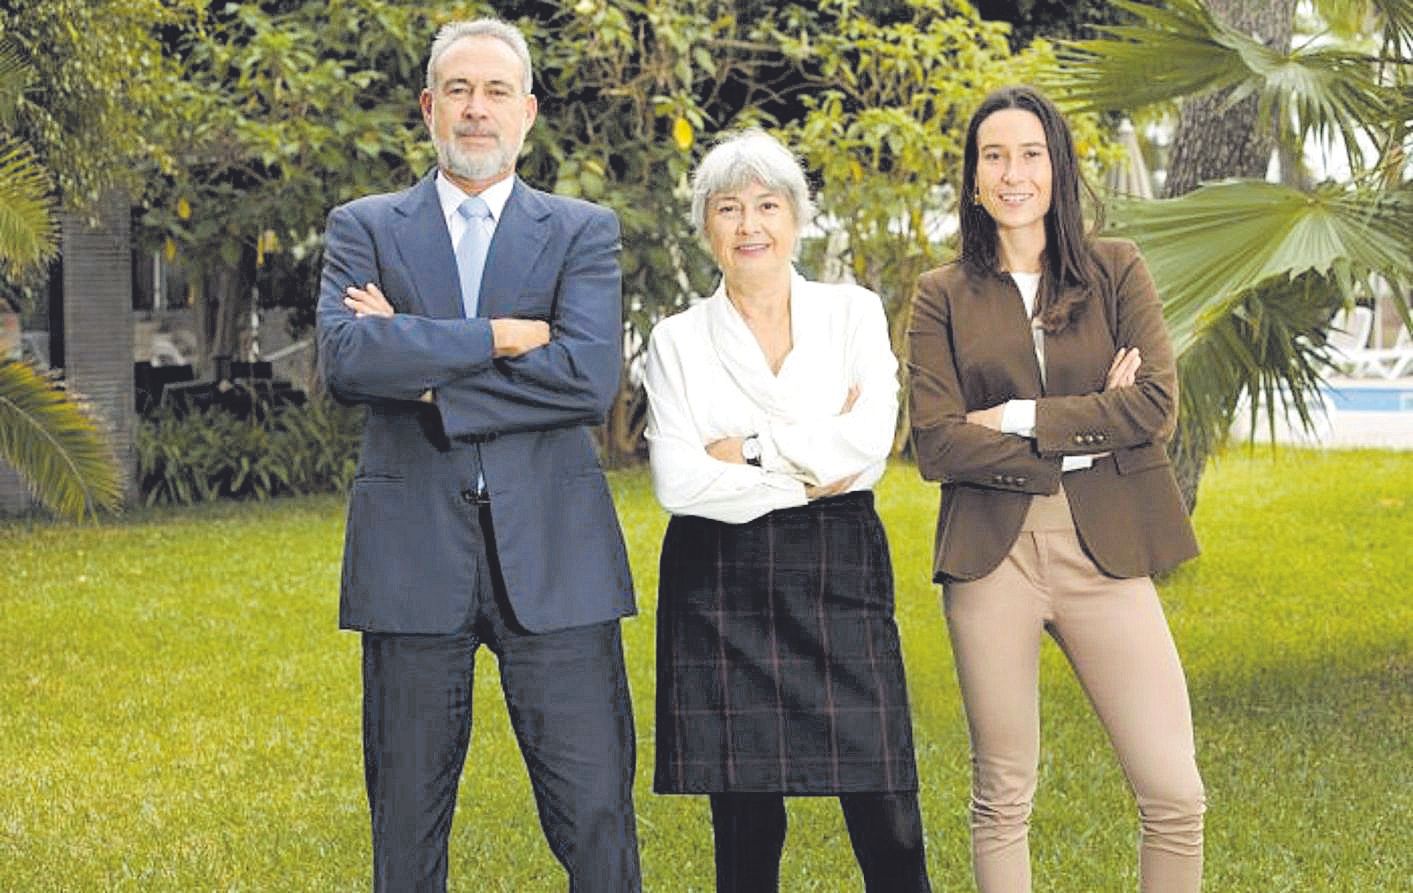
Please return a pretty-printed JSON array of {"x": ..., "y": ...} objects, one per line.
[{"x": 474, "y": 166}]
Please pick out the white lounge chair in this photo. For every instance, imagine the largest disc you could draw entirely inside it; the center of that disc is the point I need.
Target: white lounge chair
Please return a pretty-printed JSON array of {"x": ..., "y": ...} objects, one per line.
[
  {"x": 1349, "y": 338},
  {"x": 1388, "y": 362}
]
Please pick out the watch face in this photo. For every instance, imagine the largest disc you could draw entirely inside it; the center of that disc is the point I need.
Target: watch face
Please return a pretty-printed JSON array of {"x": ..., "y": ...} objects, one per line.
[{"x": 750, "y": 449}]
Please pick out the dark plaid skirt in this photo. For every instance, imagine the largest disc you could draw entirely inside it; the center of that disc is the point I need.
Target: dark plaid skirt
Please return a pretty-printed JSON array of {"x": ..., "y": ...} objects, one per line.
[{"x": 778, "y": 664}]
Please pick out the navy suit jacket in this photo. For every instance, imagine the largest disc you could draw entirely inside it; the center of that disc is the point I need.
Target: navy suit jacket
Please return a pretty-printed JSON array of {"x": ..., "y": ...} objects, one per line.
[{"x": 409, "y": 564}]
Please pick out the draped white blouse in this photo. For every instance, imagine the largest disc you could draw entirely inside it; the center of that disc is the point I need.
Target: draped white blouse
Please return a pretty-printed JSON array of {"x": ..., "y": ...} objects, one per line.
[{"x": 708, "y": 379}]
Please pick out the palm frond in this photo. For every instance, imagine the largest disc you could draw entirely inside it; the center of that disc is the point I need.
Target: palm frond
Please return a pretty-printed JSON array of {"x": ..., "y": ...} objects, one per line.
[
  {"x": 16, "y": 76},
  {"x": 1397, "y": 18},
  {"x": 1181, "y": 50},
  {"x": 1177, "y": 51},
  {"x": 28, "y": 232},
  {"x": 55, "y": 446},
  {"x": 1270, "y": 346},
  {"x": 1210, "y": 247}
]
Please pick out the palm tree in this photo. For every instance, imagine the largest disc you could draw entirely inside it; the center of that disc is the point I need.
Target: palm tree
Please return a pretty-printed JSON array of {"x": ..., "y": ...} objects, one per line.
[
  {"x": 1252, "y": 272},
  {"x": 44, "y": 433}
]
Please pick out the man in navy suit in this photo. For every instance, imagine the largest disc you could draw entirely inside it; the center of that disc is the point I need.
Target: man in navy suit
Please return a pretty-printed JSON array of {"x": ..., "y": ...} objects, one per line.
[{"x": 479, "y": 320}]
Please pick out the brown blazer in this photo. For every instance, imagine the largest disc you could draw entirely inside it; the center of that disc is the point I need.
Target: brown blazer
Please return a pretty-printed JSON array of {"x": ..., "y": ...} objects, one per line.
[{"x": 969, "y": 347}]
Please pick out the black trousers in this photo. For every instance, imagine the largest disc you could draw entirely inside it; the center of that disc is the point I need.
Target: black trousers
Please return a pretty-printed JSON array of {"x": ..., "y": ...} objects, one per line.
[
  {"x": 567, "y": 694},
  {"x": 885, "y": 830}
]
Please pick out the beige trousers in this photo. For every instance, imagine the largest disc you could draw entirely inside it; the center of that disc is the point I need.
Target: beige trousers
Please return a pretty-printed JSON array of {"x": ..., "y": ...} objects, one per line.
[{"x": 1114, "y": 635}]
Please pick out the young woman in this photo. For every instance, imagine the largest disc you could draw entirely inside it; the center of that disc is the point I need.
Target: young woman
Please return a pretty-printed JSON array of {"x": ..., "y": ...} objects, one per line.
[{"x": 1042, "y": 393}]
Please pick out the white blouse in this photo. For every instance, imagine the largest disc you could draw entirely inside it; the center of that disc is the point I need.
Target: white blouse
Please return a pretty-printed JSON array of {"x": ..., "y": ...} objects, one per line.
[
  {"x": 708, "y": 379},
  {"x": 1018, "y": 416}
]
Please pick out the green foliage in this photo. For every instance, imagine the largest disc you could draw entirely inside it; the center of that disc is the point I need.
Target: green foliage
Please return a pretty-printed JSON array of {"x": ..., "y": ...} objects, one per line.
[
  {"x": 55, "y": 445},
  {"x": 198, "y": 456},
  {"x": 1267, "y": 232},
  {"x": 1182, "y": 50},
  {"x": 95, "y": 109},
  {"x": 179, "y": 712},
  {"x": 28, "y": 234},
  {"x": 281, "y": 112}
]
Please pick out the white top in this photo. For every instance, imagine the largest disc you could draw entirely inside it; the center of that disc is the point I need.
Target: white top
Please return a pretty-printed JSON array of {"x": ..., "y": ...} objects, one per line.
[
  {"x": 1019, "y": 415},
  {"x": 708, "y": 379},
  {"x": 451, "y": 197}
]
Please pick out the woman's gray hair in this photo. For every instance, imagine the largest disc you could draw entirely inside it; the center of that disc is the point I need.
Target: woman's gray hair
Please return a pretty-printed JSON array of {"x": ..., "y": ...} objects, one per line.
[
  {"x": 746, "y": 157},
  {"x": 451, "y": 32}
]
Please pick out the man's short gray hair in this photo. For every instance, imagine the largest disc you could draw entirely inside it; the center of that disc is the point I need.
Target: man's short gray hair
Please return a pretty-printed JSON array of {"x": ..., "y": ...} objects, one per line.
[
  {"x": 451, "y": 32},
  {"x": 743, "y": 158}
]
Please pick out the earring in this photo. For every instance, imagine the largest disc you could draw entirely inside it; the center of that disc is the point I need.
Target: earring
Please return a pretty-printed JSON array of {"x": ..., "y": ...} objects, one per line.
[{"x": 976, "y": 195}]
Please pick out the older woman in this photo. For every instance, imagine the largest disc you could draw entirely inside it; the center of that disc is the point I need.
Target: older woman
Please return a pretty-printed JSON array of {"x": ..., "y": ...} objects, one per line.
[
  {"x": 1043, "y": 391},
  {"x": 771, "y": 412}
]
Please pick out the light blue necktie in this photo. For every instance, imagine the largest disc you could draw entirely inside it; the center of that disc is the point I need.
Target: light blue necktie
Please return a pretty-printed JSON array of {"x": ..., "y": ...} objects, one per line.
[{"x": 471, "y": 250}]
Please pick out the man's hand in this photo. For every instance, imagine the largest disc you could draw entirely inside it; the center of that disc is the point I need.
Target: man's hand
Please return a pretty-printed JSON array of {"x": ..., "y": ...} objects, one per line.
[
  {"x": 513, "y": 337},
  {"x": 728, "y": 449},
  {"x": 367, "y": 301},
  {"x": 989, "y": 417},
  {"x": 1124, "y": 369}
]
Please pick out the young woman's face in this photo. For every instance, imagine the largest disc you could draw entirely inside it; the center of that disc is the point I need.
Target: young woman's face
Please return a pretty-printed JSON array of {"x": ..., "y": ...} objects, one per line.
[{"x": 1013, "y": 169}]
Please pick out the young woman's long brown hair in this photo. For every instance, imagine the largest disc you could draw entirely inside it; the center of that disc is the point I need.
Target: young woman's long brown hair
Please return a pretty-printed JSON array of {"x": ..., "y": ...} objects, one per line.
[{"x": 1069, "y": 273}]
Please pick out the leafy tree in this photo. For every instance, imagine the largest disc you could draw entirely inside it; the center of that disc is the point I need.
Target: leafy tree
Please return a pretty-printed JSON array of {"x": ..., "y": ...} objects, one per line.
[
  {"x": 93, "y": 89},
  {"x": 45, "y": 435},
  {"x": 1251, "y": 272},
  {"x": 281, "y": 111},
  {"x": 1050, "y": 19}
]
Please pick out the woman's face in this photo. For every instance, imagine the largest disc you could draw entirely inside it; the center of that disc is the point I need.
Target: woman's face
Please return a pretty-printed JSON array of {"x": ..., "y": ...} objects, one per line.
[
  {"x": 751, "y": 230},
  {"x": 1013, "y": 169}
]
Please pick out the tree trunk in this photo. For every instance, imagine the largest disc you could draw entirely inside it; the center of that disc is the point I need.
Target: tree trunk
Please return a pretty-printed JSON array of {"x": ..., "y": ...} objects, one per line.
[
  {"x": 229, "y": 298},
  {"x": 1213, "y": 142}
]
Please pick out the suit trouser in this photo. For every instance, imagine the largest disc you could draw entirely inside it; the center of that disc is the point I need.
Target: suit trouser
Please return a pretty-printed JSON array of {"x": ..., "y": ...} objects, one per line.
[
  {"x": 567, "y": 695},
  {"x": 1116, "y": 639}
]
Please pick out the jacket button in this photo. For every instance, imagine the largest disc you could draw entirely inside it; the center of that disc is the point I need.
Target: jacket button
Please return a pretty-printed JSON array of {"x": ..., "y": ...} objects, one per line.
[
  {"x": 468, "y": 496},
  {"x": 1020, "y": 482}
]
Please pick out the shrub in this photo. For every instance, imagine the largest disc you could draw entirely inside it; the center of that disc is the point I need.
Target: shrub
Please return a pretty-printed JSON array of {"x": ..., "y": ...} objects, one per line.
[{"x": 187, "y": 456}]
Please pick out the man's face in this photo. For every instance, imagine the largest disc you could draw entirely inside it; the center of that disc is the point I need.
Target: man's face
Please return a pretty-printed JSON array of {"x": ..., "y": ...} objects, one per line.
[{"x": 478, "y": 113}]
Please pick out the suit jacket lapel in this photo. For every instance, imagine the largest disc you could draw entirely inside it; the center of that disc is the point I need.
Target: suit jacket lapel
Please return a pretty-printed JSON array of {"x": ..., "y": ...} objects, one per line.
[
  {"x": 424, "y": 246},
  {"x": 520, "y": 236}
]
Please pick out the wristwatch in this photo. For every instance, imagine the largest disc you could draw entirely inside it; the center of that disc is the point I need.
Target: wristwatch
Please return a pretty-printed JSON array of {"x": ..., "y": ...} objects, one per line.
[{"x": 751, "y": 451}]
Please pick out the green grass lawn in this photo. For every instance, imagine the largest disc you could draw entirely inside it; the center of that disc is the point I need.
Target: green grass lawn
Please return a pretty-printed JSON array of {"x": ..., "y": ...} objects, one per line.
[{"x": 178, "y": 710}]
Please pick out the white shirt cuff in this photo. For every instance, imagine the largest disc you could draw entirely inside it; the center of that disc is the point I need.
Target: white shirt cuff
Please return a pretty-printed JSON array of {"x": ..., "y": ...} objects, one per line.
[
  {"x": 1075, "y": 463},
  {"x": 1018, "y": 418}
]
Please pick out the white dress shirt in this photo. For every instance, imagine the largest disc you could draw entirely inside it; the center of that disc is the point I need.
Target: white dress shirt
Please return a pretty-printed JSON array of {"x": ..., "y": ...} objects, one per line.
[
  {"x": 1018, "y": 416},
  {"x": 451, "y": 196},
  {"x": 707, "y": 379}
]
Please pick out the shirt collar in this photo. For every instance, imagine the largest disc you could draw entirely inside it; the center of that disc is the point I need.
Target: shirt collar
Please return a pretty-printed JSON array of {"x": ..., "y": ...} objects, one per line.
[{"x": 495, "y": 195}]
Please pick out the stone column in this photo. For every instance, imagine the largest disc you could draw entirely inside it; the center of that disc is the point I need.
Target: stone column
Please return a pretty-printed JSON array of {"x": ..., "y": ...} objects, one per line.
[{"x": 98, "y": 322}]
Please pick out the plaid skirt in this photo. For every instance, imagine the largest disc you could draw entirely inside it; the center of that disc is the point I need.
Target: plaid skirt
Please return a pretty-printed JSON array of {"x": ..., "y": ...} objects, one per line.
[{"x": 778, "y": 662}]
